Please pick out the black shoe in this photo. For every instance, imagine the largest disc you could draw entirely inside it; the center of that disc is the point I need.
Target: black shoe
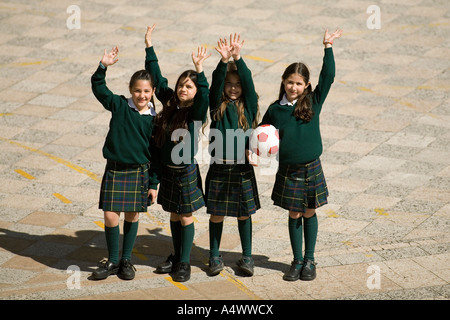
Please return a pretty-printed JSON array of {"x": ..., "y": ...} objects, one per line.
[
  {"x": 215, "y": 265},
  {"x": 105, "y": 269},
  {"x": 246, "y": 264},
  {"x": 126, "y": 270},
  {"x": 182, "y": 272},
  {"x": 167, "y": 266},
  {"x": 308, "y": 271},
  {"x": 294, "y": 272}
]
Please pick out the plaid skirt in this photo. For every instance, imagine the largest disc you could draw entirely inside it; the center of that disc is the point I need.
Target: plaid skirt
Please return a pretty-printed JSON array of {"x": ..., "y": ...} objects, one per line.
[
  {"x": 299, "y": 187},
  {"x": 124, "y": 187},
  {"x": 180, "y": 189},
  {"x": 231, "y": 190}
]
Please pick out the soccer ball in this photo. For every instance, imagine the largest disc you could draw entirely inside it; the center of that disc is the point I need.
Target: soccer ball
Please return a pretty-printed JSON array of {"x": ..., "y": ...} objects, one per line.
[{"x": 264, "y": 141}]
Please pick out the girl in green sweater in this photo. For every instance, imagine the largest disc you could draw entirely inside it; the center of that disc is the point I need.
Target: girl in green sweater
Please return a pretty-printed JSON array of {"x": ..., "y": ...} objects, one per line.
[
  {"x": 180, "y": 191},
  {"x": 128, "y": 182},
  {"x": 300, "y": 185},
  {"x": 230, "y": 187}
]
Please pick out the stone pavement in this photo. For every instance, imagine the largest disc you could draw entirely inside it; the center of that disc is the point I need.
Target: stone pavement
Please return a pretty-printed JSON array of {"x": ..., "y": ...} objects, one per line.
[{"x": 385, "y": 124}]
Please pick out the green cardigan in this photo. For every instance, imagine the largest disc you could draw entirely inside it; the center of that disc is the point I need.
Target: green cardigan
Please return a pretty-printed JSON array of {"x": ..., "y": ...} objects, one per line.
[
  {"x": 197, "y": 114},
  {"x": 301, "y": 142},
  {"x": 230, "y": 116}
]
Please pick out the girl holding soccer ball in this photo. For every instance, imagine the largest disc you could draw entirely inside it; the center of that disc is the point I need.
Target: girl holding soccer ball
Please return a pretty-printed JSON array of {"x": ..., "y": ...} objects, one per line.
[{"x": 300, "y": 185}]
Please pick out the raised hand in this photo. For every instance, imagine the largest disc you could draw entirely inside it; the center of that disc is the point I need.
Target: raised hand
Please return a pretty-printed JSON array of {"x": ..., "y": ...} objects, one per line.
[
  {"x": 111, "y": 57},
  {"x": 236, "y": 45},
  {"x": 148, "y": 35},
  {"x": 202, "y": 55},
  {"x": 329, "y": 38},
  {"x": 224, "y": 49}
]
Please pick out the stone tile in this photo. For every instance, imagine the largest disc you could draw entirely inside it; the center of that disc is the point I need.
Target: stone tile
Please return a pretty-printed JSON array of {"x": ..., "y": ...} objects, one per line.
[
  {"x": 340, "y": 225},
  {"x": 371, "y": 162},
  {"x": 46, "y": 219},
  {"x": 38, "y": 264},
  {"x": 404, "y": 273},
  {"x": 357, "y": 147}
]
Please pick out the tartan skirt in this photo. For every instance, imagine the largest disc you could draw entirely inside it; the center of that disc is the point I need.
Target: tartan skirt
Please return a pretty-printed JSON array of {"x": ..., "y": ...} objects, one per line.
[
  {"x": 180, "y": 189},
  {"x": 231, "y": 190},
  {"x": 124, "y": 187},
  {"x": 299, "y": 187}
]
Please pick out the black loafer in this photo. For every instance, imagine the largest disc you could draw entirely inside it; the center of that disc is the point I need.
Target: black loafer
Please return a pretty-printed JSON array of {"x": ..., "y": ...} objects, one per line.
[
  {"x": 126, "y": 270},
  {"x": 105, "y": 269},
  {"x": 246, "y": 264},
  {"x": 166, "y": 267},
  {"x": 294, "y": 272},
  {"x": 215, "y": 265},
  {"x": 182, "y": 272},
  {"x": 308, "y": 271}
]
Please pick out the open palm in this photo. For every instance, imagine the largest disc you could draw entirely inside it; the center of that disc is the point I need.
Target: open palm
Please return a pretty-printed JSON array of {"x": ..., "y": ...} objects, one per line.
[{"x": 110, "y": 58}]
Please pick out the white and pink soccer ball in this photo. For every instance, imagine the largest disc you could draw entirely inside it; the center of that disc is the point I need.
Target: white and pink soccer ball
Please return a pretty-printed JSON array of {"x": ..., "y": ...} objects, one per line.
[{"x": 265, "y": 141}]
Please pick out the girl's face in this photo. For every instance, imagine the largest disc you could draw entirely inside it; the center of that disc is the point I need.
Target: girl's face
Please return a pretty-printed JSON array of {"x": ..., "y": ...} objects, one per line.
[
  {"x": 294, "y": 85},
  {"x": 141, "y": 94},
  {"x": 232, "y": 89},
  {"x": 186, "y": 90}
]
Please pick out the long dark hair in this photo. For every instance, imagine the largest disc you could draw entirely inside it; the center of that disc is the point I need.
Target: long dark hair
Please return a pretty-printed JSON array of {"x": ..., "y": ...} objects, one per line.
[
  {"x": 168, "y": 119},
  {"x": 303, "y": 109},
  {"x": 142, "y": 75}
]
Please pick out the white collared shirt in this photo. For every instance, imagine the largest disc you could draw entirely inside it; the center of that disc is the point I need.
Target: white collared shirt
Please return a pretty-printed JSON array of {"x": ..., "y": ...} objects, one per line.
[
  {"x": 151, "y": 108},
  {"x": 284, "y": 101}
]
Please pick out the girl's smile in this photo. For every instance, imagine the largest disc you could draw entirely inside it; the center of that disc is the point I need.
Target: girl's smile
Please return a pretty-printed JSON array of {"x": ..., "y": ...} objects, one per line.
[
  {"x": 141, "y": 94},
  {"x": 294, "y": 85},
  {"x": 232, "y": 89}
]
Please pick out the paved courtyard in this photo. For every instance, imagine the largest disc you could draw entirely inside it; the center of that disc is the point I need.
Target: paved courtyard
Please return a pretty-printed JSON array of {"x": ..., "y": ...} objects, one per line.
[{"x": 385, "y": 125}]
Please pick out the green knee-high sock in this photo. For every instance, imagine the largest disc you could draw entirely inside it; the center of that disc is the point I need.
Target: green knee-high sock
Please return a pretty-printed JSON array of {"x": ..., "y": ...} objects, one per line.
[
  {"x": 311, "y": 229},
  {"x": 112, "y": 235},
  {"x": 215, "y": 235},
  {"x": 245, "y": 233},
  {"x": 175, "y": 229},
  {"x": 296, "y": 237},
  {"x": 187, "y": 240},
  {"x": 130, "y": 230}
]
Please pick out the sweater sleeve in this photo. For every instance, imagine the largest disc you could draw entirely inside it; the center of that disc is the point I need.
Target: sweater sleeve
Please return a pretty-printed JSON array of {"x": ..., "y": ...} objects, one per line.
[
  {"x": 248, "y": 88},
  {"x": 201, "y": 99},
  {"x": 163, "y": 92},
  {"x": 326, "y": 77},
  {"x": 217, "y": 85},
  {"x": 101, "y": 91}
]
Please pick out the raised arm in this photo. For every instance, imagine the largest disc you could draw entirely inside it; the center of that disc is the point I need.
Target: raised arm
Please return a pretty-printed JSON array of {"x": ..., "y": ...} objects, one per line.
[
  {"x": 201, "y": 99},
  {"x": 245, "y": 75},
  {"x": 98, "y": 82},
  {"x": 163, "y": 92},
  {"x": 328, "y": 71},
  {"x": 219, "y": 74}
]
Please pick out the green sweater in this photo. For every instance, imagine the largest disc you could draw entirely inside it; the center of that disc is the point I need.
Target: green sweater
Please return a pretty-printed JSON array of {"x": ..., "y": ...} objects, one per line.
[
  {"x": 301, "y": 142},
  {"x": 236, "y": 150},
  {"x": 198, "y": 113},
  {"x": 129, "y": 135}
]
